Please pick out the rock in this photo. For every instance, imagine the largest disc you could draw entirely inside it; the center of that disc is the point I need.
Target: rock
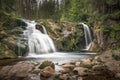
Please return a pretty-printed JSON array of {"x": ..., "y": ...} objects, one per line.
[
  {"x": 63, "y": 77},
  {"x": 47, "y": 63},
  {"x": 47, "y": 72},
  {"x": 95, "y": 62},
  {"x": 24, "y": 69},
  {"x": 99, "y": 67},
  {"x": 80, "y": 78},
  {"x": 70, "y": 66},
  {"x": 77, "y": 64},
  {"x": 40, "y": 27},
  {"x": 16, "y": 71},
  {"x": 32, "y": 77},
  {"x": 3, "y": 34},
  {"x": 86, "y": 63},
  {"x": 10, "y": 42},
  {"x": 116, "y": 56},
  {"x": 113, "y": 66},
  {"x": 65, "y": 70},
  {"x": 36, "y": 71},
  {"x": 105, "y": 57},
  {"x": 117, "y": 75},
  {"x": 4, "y": 72},
  {"x": 80, "y": 71}
]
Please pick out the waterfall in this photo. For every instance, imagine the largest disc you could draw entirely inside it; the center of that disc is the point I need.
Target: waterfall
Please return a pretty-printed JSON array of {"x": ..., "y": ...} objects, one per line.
[
  {"x": 41, "y": 2},
  {"x": 38, "y": 42},
  {"x": 38, "y": 3},
  {"x": 88, "y": 36}
]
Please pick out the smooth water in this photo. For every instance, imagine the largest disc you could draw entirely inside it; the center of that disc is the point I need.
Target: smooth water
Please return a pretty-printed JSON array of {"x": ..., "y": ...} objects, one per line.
[
  {"x": 41, "y": 46},
  {"x": 62, "y": 57},
  {"x": 88, "y": 36},
  {"x": 38, "y": 42}
]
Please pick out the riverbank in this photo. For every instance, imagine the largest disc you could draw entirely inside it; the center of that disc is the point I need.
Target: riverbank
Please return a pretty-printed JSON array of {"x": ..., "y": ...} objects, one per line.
[{"x": 103, "y": 67}]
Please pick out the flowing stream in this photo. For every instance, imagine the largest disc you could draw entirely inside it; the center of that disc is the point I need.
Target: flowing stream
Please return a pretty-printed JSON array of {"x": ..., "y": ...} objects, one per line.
[
  {"x": 41, "y": 46},
  {"x": 38, "y": 42},
  {"x": 87, "y": 35}
]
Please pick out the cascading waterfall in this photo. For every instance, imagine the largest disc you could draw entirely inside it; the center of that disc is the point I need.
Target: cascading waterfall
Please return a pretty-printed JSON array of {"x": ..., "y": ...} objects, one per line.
[
  {"x": 38, "y": 42},
  {"x": 41, "y": 2},
  {"x": 88, "y": 36}
]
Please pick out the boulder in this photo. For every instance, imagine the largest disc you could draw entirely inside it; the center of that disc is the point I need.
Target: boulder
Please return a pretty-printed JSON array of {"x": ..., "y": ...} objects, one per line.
[
  {"x": 86, "y": 63},
  {"x": 32, "y": 77},
  {"x": 99, "y": 67},
  {"x": 113, "y": 66},
  {"x": 70, "y": 66},
  {"x": 47, "y": 73},
  {"x": 16, "y": 71},
  {"x": 44, "y": 64},
  {"x": 80, "y": 71}
]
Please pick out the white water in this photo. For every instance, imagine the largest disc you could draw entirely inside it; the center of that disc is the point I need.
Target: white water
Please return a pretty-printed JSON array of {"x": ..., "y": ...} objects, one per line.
[
  {"x": 88, "y": 36},
  {"x": 40, "y": 2},
  {"x": 38, "y": 42}
]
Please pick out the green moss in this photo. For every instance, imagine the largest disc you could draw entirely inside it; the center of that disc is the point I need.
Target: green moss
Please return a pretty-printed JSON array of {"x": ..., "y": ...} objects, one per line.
[
  {"x": 115, "y": 49},
  {"x": 47, "y": 63}
]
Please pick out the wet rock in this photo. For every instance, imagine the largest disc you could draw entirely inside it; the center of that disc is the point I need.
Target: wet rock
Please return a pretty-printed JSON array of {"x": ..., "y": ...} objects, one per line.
[
  {"x": 36, "y": 71},
  {"x": 80, "y": 78},
  {"x": 86, "y": 63},
  {"x": 4, "y": 72},
  {"x": 47, "y": 63},
  {"x": 17, "y": 71},
  {"x": 64, "y": 70},
  {"x": 80, "y": 71},
  {"x": 77, "y": 64},
  {"x": 47, "y": 73},
  {"x": 64, "y": 77},
  {"x": 32, "y": 77},
  {"x": 70, "y": 66}
]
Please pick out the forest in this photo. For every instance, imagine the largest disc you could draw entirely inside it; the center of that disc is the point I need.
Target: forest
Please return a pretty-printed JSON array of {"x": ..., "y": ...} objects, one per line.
[{"x": 59, "y": 39}]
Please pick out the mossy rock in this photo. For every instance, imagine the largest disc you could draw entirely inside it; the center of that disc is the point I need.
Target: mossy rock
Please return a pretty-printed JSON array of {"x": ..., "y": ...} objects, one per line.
[{"x": 47, "y": 63}]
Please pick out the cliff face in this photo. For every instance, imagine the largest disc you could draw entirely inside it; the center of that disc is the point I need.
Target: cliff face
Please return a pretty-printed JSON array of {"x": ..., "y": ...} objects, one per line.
[
  {"x": 66, "y": 35},
  {"x": 106, "y": 36}
]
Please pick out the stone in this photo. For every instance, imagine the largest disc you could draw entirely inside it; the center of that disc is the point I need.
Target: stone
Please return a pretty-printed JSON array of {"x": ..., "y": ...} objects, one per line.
[
  {"x": 63, "y": 77},
  {"x": 68, "y": 66},
  {"x": 99, "y": 67},
  {"x": 47, "y": 72},
  {"x": 16, "y": 71},
  {"x": 117, "y": 75},
  {"x": 116, "y": 56},
  {"x": 64, "y": 70},
  {"x": 32, "y": 77},
  {"x": 86, "y": 63},
  {"x": 47, "y": 63},
  {"x": 95, "y": 62},
  {"x": 80, "y": 71},
  {"x": 105, "y": 57},
  {"x": 4, "y": 72},
  {"x": 113, "y": 66},
  {"x": 77, "y": 64},
  {"x": 36, "y": 71},
  {"x": 80, "y": 78}
]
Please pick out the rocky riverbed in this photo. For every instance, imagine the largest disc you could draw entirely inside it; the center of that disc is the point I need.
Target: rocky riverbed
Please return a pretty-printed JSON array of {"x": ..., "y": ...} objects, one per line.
[{"x": 103, "y": 67}]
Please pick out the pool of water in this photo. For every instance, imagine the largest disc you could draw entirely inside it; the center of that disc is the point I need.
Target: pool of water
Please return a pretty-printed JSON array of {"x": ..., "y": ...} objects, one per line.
[{"x": 61, "y": 57}]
